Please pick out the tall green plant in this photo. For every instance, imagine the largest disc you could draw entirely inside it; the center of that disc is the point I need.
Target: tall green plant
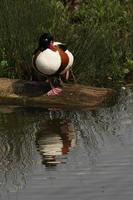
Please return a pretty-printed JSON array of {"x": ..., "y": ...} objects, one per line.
[
  {"x": 21, "y": 23},
  {"x": 99, "y": 34},
  {"x": 104, "y": 29}
]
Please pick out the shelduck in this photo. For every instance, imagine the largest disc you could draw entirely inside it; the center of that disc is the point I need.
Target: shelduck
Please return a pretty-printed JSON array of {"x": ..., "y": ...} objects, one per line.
[{"x": 52, "y": 59}]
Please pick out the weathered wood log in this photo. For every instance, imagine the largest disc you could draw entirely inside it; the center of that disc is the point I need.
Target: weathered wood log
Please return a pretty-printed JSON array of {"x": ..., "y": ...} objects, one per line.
[{"x": 31, "y": 93}]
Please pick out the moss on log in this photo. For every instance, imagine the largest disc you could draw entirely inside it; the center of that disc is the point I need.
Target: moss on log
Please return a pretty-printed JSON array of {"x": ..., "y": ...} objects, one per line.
[
  {"x": 31, "y": 93},
  {"x": 130, "y": 85}
]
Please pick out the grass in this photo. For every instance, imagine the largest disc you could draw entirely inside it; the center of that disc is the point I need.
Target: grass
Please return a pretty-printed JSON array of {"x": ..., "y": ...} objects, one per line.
[{"x": 99, "y": 34}]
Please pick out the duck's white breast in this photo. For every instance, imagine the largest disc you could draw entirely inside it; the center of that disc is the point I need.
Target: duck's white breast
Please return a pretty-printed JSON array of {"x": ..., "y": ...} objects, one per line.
[{"x": 48, "y": 62}]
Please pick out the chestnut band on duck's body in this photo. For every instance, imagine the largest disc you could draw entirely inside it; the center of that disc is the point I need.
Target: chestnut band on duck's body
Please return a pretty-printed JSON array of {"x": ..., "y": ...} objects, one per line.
[{"x": 64, "y": 60}]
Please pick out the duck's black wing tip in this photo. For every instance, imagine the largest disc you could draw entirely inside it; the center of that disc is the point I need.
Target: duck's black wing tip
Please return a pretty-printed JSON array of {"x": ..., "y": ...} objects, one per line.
[{"x": 63, "y": 46}]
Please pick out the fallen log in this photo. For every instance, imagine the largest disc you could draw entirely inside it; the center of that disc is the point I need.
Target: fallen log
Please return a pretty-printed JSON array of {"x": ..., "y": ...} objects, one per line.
[{"x": 32, "y": 93}]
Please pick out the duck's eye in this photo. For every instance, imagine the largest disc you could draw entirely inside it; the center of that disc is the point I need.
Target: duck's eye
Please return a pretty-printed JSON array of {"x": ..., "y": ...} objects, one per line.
[{"x": 46, "y": 40}]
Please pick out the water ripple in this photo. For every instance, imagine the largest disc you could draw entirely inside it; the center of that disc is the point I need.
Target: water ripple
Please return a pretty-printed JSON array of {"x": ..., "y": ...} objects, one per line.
[{"x": 86, "y": 155}]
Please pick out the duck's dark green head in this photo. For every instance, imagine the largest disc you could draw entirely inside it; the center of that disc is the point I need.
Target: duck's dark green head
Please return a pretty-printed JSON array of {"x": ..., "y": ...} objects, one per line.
[{"x": 45, "y": 40}]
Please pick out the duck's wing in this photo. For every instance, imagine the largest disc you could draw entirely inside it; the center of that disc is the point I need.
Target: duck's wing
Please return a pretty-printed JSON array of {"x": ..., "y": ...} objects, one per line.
[{"x": 62, "y": 46}]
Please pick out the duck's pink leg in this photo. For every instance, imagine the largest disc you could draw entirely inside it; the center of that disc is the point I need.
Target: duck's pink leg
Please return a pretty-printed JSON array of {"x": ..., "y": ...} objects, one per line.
[{"x": 67, "y": 75}]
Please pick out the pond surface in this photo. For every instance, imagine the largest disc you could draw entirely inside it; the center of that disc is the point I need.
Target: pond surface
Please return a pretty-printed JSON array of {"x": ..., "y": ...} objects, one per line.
[{"x": 56, "y": 154}]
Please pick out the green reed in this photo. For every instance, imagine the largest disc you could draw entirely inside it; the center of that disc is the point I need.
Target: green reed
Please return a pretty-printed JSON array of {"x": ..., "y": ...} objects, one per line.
[{"x": 99, "y": 34}]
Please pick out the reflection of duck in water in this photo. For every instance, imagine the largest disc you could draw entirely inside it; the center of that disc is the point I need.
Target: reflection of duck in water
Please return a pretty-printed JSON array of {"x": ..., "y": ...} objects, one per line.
[{"x": 55, "y": 139}]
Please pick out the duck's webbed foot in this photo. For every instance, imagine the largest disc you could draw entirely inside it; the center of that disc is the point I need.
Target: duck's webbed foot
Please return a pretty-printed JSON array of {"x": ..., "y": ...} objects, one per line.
[
  {"x": 54, "y": 91},
  {"x": 55, "y": 86}
]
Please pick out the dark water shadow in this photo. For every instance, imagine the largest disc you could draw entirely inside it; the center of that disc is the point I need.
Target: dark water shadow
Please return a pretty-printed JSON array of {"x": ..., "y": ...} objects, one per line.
[{"x": 16, "y": 149}]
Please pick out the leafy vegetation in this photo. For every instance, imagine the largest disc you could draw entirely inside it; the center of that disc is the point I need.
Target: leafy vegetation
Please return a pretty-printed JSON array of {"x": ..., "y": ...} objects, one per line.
[{"x": 99, "y": 34}]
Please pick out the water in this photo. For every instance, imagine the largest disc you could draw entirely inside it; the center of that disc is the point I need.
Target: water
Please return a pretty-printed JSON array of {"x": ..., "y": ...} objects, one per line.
[{"x": 55, "y": 154}]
